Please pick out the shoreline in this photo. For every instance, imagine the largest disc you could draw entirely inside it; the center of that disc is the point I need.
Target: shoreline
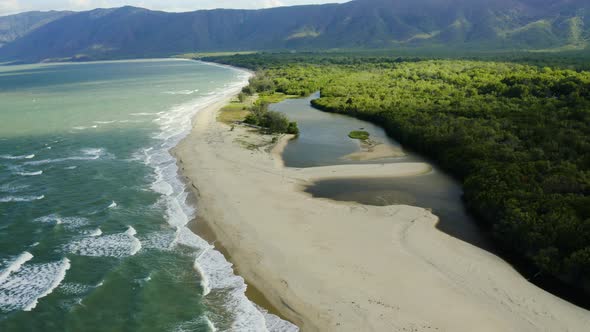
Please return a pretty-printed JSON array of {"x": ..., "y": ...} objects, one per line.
[
  {"x": 200, "y": 227},
  {"x": 303, "y": 254}
]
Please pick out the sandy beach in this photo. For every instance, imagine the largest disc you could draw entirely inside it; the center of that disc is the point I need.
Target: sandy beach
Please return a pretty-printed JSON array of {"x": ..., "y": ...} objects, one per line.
[{"x": 329, "y": 266}]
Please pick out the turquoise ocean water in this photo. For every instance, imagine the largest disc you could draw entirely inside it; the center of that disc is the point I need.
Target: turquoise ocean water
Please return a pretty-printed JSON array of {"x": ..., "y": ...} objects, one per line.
[{"x": 93, "y": 214}]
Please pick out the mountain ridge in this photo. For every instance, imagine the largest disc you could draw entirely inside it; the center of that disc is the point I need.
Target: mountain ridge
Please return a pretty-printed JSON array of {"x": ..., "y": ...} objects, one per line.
[
  {"x": 462, "y": 24},
  {"x": 16, "y": 26}
]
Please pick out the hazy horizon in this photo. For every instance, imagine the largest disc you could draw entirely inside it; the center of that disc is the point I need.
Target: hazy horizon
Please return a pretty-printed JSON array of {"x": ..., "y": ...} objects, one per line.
[{"x": 10, "y": 7}]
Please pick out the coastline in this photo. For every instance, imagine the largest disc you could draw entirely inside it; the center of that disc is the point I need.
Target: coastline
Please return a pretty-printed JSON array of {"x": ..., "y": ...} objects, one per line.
[{"x": 412, "y": 275}]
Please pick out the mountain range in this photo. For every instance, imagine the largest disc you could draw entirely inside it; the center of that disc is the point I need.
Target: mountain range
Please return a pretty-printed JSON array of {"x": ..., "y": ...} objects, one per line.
[
  {"x": 15, "y": 26},
  {"x": 459, "y": 24}
]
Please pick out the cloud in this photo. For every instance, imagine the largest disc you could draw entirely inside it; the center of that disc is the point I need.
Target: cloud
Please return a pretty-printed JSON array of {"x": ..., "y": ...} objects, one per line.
[
  {"x": 272, "y": 3},
  {"x": 8, "y": 6}
]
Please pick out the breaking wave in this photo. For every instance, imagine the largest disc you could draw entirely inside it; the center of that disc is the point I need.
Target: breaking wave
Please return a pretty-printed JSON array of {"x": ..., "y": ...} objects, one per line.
[
  {"x": 23, "y": 289},
  {"x": 21, "y": 198},
  {"x": 115, "y": 245},
  {"x": 29, "y": 156}
]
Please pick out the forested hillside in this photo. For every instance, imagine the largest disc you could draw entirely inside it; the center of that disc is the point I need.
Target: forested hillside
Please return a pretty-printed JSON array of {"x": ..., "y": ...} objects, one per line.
[
  {"x": 517, "y": 136},
  {"x": 461, "y": 25},
  {"x": 13, "y": 27}
]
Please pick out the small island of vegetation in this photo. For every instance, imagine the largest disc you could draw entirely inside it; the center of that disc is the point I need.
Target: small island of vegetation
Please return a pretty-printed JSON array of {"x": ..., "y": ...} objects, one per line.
[{"x": 359, "y": 134}]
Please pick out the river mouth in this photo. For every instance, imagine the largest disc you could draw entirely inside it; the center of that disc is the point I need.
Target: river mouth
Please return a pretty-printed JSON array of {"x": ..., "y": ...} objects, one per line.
[{"x": 324, "y": 141}]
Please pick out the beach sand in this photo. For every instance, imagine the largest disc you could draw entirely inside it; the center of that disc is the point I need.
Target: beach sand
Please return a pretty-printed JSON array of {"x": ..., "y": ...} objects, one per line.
[
  {"x": 336, "y": 266},
  {"x": 375, "y": 151}
]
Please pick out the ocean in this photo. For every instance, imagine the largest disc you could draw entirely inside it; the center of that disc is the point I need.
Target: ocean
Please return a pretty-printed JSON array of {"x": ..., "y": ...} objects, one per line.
[{"x": 93, "y": 213}]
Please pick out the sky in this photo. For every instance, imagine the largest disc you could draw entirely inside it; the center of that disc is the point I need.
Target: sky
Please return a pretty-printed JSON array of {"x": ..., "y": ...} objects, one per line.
[{"x": 17, "y": 6}]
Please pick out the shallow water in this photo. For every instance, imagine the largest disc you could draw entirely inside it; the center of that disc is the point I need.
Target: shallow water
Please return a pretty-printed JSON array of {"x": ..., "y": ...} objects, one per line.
[
  {"x": 93, "y": 215},
  {"x": 324, "y": 140}
]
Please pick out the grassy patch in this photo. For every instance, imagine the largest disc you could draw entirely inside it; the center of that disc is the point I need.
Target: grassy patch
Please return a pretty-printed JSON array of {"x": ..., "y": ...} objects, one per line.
[
  {"x": 359, "y": 134},
  {"x": 236, "y": 110},
  {"x": 233, "y": 112},
  {"x": 273, "y": 98}
]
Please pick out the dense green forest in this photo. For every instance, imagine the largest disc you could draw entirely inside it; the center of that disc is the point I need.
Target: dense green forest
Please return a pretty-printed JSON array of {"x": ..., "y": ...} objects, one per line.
[{"x": 516, "y": 135}]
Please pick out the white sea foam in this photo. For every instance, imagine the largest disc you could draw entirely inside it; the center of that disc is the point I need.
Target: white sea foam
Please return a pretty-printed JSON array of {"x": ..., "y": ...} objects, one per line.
[
  {"x": 112, "y": 205},
  {"x": 23, "y": 289},
  {"x": 162, "y": 240},
  {"x": 94, "y": 153},
  {"x": 143, "y": 114},
  {"x": 21, "y": 198},
  {"x": 105, "y": 122},
  {"x": 85, "y": 154},
  {"x": 195, "y": 325},
  {"x": 60, "y": 275},
  {"x": 15, "y": 265},
  {"x": 182, "y": 92},
  {"x": 219, "y": 275},
  {"x": 216, "y": 272},
  {"x": 71, "y": 288},
  {"x": 70, "y": 168},
  {"x": 30, "y": 173},
  {"x": 67, "y": 222},
  {"x": 95, "y": 233},
  {"x": 85, "y": 127},
  {"x": 113, "y": 245},
  {"x": 7, "y": 156},
  {"x": 186, "y": 237},
  {"x": 275, "y": 323},
  {"x": 204, "y": 280},
  {"x": 210, "y": 325}
]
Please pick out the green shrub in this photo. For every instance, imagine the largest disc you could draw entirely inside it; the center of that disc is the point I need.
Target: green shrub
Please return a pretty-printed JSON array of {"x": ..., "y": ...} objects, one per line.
[
  {"x": 275, "y": 122},
  {"x": 359, "y": 134},
  {"x": 252, "y": 119},
  {"x": 249, "y": 90},
  {"x": 292, "y": 128}
]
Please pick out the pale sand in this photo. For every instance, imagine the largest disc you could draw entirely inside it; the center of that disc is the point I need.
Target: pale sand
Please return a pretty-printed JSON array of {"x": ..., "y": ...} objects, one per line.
[
  {"x": 346, "y": 267},
  {"x": 375, "y": 152},
  {"x": 356, "y": 171}
]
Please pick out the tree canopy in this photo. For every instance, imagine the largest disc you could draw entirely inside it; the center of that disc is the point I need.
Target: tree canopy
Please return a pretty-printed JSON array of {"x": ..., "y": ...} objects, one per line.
[{"x": 516, "y": 135}]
